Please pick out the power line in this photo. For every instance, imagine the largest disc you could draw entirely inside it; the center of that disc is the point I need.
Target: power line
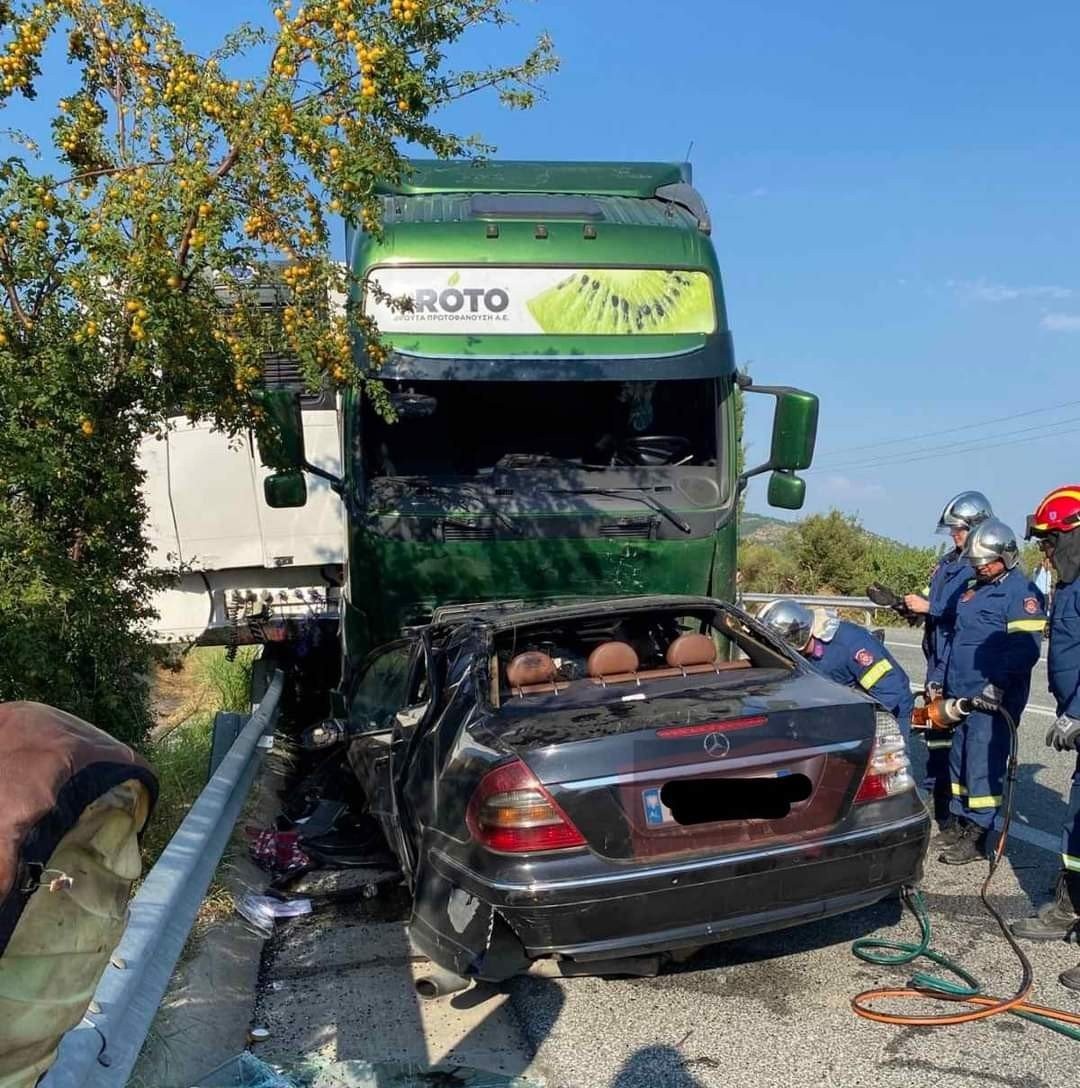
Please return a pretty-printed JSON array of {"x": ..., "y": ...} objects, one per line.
[
  {"x": 936, "y": 453},
  {"x": 979, "y": 447},
  {"x": 948, "y": 448},
  {"x": 963, "y": 427}
]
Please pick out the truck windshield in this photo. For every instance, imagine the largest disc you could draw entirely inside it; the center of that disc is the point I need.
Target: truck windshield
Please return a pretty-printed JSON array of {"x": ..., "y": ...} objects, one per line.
[{"x": 470, "y": 429}]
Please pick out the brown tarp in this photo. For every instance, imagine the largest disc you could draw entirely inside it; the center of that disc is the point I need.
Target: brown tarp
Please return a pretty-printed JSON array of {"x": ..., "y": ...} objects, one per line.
[{"x": 73, "y": 802}]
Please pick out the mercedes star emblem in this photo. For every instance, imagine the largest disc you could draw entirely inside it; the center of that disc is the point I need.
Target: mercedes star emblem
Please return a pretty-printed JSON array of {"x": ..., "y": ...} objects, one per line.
[{"x": 717, "y": 745}]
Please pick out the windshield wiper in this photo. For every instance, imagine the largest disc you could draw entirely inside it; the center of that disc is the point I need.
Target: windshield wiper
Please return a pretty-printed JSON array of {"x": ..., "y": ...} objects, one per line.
[
  {"x": 419, "y": 486},
  {"x": 628, "y": 493}
]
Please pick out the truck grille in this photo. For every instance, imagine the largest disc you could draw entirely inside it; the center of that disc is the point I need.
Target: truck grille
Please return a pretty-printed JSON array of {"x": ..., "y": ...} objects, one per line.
[
  {"x": 629, "y": 529},
  {"x": 462, "y": 531}
]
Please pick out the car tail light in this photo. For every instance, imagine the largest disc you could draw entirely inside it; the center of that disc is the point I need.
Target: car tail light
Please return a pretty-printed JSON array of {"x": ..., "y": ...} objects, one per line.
[
  {"x": 510, "y": 812},
  {"x": 889, "y": 770}
]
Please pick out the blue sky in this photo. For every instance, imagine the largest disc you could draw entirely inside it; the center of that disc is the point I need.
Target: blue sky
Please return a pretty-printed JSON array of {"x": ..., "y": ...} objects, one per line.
[{"x": 894, "y": 195}]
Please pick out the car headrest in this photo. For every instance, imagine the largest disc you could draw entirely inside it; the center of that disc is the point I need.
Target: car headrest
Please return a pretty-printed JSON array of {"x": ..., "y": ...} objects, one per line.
[
  {"x": 612, "y": 659},
  {"x": 531, "y": 667},
  {"x": 691, "y": 650}
]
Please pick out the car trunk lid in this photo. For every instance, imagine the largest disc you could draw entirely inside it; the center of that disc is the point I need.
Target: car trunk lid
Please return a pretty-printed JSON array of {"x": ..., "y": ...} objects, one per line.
[{"x": 733, "y": 765}]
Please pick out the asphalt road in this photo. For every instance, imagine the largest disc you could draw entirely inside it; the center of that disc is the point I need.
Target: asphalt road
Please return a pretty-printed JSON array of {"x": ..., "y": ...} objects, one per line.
[
  {"x": 774, "y": 1010},
  {"x": 770, "y": 1012}
]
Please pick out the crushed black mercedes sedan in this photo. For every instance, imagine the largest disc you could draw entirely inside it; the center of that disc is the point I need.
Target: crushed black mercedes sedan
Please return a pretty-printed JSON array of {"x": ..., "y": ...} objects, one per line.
[{"x": 625, "y": 778}]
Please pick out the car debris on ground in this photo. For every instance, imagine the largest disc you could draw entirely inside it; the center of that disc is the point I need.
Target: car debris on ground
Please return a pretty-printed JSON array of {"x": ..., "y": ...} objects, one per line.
[{"x": 247, "y": 1071}]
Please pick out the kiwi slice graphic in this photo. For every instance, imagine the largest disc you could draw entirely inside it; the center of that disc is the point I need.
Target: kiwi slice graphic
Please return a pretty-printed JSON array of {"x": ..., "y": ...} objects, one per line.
[{"x": 606, "y": 301}]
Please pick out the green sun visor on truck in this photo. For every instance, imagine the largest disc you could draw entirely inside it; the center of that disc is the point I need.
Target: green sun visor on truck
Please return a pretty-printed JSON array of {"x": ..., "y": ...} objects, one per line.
[
  {"x": 486, "y": 321},
  {"x": 541, "y": 301}
]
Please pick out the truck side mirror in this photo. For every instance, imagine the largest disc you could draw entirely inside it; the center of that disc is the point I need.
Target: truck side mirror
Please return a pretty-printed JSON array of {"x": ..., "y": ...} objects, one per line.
[
  {"x": 786, "y": 491},
  {"x": 284, "y": 490},
  {"x": 281, "y": 444},
  {"x": 794, "y": 431},
  {"x": 794, "y": 435}
]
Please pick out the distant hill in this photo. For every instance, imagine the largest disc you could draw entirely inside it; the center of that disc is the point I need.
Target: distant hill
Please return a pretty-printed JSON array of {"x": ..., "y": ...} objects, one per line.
[{"x": 763, "y": 529}]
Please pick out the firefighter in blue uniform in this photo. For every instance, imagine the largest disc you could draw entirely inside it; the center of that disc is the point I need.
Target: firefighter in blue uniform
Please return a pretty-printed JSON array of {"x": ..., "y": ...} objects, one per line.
[
  {"x": 1054, "y": 524},
  {"x": 995, "y": 645},
  {"x": 947, "y": 582},
  {"x": 846, "y": 653}
]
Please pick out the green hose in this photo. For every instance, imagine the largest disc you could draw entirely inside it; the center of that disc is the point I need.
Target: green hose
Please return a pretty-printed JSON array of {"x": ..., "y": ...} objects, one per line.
[{"x": 899, "y": 953}]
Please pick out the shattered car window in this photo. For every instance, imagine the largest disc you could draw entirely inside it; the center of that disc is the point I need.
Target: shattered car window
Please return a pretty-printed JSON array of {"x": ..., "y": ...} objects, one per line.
[{"x": 381, "y": 689}]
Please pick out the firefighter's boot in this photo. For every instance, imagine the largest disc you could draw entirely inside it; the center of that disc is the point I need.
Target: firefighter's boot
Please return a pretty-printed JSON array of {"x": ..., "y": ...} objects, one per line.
[
  {"x": 1058, "y": 919},
  {"x": 952, "y": 831},
  {"x": 969, "y": 847}
]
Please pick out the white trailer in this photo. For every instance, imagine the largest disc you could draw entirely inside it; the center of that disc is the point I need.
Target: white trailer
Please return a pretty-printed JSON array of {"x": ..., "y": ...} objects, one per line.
[{"x": 242, "y": 566}]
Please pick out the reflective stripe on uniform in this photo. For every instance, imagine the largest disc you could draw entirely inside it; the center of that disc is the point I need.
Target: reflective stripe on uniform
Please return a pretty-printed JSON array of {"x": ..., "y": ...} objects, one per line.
[
  {"x": 1070, "y": 863},
  {"x": 958, "y": 790},
  {"x": 875, "y": 673},
  {"x": 1025, "y": 625},
  {"x": 983, "y": 802},
  {"x": 946, "y": 743}
]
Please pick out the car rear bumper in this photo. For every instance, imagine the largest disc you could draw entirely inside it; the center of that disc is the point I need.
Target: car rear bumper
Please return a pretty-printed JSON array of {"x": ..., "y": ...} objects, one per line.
[{"x": 617, "y": 911}]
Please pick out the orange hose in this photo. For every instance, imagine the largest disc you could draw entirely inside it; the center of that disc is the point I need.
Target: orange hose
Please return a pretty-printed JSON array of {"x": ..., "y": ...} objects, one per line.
[
  {"x": 992, "y": 1006},
  {"x": 988, "y": 1006}
]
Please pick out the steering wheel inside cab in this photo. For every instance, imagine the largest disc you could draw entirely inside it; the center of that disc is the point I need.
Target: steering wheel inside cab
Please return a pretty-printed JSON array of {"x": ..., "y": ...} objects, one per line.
[{"x": 652, "y": 449}]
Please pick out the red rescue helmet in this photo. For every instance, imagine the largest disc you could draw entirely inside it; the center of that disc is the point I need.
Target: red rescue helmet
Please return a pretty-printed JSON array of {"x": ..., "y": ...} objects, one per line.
[{"x": 1059, "y": 512}]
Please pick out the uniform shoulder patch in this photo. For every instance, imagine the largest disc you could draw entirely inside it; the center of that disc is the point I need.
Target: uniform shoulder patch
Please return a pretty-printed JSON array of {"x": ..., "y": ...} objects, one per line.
[
  {"x": 864, "y": 658},
  {"x": 1031, "y": 605},
  {"x": 968, "y": 594}
]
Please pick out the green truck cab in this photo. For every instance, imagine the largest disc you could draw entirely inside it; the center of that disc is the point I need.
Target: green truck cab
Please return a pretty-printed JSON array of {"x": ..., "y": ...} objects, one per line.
[{"x": 564, "y": 380}]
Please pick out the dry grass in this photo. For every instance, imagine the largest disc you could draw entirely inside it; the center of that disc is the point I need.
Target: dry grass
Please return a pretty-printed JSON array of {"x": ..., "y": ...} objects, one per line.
[{"x": 179, "y": 747}]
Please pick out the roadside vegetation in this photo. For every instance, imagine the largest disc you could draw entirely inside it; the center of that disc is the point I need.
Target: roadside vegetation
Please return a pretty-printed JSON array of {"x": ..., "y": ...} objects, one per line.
[
  {"x": 178, "y": 748},
  {"x": 833, "y": 554},
  {"x": 158, "y": 190},
  {"x": 830, "y": 553}
]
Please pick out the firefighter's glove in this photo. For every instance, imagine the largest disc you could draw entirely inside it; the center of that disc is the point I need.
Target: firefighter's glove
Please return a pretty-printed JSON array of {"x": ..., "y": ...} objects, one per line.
[
  {"x": 1064, "y": 734},
  {"x": 934, "y": 691},
  {"x": 989, "y": 699}
]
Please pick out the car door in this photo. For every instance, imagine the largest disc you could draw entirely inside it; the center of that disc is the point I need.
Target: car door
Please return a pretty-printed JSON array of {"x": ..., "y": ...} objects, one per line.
[
  {"x": 409, "y": 722},
  {"x": 377, "y": 694}
]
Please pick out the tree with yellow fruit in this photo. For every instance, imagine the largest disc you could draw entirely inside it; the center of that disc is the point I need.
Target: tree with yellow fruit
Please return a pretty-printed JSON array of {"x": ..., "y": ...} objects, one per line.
[{"x": 131, "y": 258}]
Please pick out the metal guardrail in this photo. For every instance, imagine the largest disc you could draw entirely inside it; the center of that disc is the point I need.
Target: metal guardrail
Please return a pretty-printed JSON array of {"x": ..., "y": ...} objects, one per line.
[
  {"x": 861, "y": 604},
  {"x": 101, "y": 1050}
]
